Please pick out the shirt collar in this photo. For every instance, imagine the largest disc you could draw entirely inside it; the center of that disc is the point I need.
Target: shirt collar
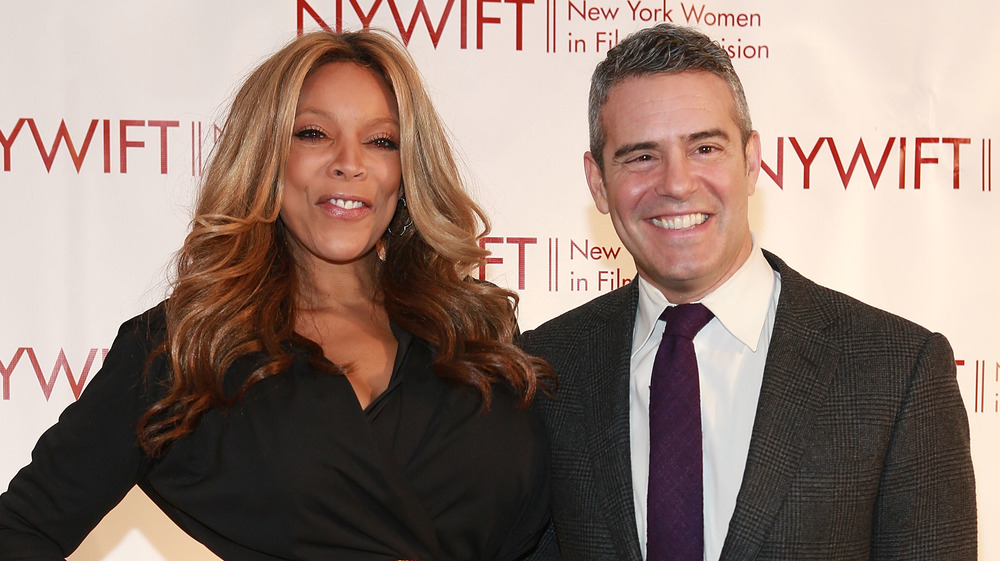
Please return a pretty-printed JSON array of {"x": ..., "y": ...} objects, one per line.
[{"x": 740, "y": 304}]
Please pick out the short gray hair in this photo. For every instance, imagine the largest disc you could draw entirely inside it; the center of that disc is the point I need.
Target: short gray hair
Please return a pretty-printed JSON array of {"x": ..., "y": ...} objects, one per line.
[{"x": 665, "y": 48}]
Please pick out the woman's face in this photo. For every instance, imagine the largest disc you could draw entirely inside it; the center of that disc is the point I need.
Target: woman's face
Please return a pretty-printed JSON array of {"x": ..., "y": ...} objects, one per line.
[{"x": 342, "y": 177}]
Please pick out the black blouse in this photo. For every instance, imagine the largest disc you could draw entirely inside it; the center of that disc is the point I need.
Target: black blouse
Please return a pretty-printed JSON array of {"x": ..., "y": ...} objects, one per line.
[{"x": 296, "y": 469}]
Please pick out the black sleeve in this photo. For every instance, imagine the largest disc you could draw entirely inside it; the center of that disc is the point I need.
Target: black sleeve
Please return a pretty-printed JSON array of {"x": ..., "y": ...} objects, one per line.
[
  {"x": 84, "y": 464},
  {"x": 926, "y": 503}
]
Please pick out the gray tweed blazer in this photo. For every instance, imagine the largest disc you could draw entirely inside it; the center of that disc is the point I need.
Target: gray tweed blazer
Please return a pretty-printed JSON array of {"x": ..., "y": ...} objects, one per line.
[{"x": 860, "y": 447}]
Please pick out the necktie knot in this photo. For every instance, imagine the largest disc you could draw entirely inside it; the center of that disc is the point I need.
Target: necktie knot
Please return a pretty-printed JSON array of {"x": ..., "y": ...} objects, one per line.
[{"x": 685, "y": 320}]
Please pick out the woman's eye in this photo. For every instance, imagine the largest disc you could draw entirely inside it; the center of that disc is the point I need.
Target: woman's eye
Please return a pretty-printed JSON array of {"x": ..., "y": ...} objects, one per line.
[
  {"x": 385, "y": 142},
  {"x": 310, "y": 134}
]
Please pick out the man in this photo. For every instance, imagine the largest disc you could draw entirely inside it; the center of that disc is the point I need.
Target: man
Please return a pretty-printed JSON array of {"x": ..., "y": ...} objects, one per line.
[{"x": 828, "y": 429}]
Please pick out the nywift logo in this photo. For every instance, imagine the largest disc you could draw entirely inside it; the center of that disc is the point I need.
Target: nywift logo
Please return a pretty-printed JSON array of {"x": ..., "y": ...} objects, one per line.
[
  {"x": 107, "y": 145},
  {"x": 460, "y": 23},
  {"x": 896, "y": 162}
]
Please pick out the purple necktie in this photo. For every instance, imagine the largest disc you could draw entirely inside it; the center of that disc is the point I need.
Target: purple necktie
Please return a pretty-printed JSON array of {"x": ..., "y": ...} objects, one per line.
[{"x": 675, "y": 515}]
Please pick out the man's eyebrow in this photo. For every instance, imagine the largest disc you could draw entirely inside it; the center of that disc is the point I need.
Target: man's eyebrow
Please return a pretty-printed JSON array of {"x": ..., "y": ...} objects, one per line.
[
  {"x": 634, "y": 147},
  {"x": 711, "y": 133}
]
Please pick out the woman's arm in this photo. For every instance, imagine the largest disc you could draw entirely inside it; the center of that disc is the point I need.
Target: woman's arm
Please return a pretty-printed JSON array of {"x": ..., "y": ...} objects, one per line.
[{"x": 85, "y": 464}]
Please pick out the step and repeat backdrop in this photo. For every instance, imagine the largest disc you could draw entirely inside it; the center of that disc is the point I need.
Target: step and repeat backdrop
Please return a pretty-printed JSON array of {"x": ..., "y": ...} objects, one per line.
[{"x": 877, "y": 121}]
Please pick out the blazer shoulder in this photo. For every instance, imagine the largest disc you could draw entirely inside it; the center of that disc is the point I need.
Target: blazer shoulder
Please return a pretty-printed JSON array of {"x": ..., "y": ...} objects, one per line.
[
  {"x": 824, "y": 308},
  {"x": 599, "y": 312}
]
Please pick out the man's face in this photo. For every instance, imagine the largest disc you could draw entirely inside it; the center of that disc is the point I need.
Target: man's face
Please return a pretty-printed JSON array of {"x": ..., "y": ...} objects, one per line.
[{"x": 676, "y": 180}]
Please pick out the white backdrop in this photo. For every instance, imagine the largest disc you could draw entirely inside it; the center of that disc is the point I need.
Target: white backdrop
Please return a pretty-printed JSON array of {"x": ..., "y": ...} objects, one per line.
[{"x": 108, "y": 111}]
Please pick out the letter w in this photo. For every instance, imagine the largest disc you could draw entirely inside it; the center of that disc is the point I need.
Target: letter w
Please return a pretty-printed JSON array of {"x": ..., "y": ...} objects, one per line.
[
  {"x": 47, "y": 385},
  {"x": 62, "y": 135},
  {"x": 690, "y": 13},
  {"x": 862, "y": 152},
  {"x": 421, "y": 10}
]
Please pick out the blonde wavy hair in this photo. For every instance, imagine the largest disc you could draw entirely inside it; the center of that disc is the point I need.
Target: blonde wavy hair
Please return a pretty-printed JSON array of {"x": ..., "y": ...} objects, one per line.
[{"x": 235, "y": 289}]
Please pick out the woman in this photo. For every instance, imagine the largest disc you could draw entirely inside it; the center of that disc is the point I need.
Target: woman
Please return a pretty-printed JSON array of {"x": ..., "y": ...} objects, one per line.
[{"x": 326, "y": 381}]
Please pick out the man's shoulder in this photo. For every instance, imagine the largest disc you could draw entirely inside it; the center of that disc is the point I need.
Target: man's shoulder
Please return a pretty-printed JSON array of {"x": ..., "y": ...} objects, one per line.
[
  {"x": 595, "y": 312},
  {"x": 810, "y": 304},
  {"x": 568, "y": 328}
]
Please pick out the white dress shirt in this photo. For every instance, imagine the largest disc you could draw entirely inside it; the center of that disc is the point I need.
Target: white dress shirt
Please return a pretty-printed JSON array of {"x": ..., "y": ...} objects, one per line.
[{"x": 731, "y": 351}]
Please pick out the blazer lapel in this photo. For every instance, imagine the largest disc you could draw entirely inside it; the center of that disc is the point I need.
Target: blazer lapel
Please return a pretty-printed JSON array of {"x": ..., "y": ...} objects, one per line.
[
  {"x": 797, "y": 373},
  {"x": 610, "y": 349}
]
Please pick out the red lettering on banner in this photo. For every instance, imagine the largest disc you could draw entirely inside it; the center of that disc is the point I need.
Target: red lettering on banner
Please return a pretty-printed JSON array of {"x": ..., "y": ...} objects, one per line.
[
  {"x": 195, "y": 139},
  {"x": 806, "y": 161},
  {"x": 902, "y": 162},
  {"x": 919, "y": 160},
  {"x": 983, "y": 369},
  {"x": 603, "y": 40},
  {"x": 482, "y": 20},
  {"x": 689, "y": 13},
  {"x": 488, "y": 260},
  {"x": 643, "y": 13},
  {"x": 125, "y": 144},
  {"x": 956, "y": 142},
  {"x": 366, "y": 19},
  {"x": 6, "y": 142},
  {"x": 107, "y": 145},
  {"x": 163, "y": 125},
  {"x": 420, "y": 11},
  {"x": 48, "y": 150},
  {"x": 519, "y": 21},
  {"x": 595, "y": 13},
  {"x": 76, "y": 384},
  {"x": 62, "y": 135},
  {"x": 301, "y": 6},
  {"x": 860, "y": 151},
  {"x": 987, "y": 167},
  {"x": 595, "y": 252},
  {"x": 521, "y": 242},
  {"x": 62, "y": 363},
  {"x": 846, "y": 172},
  {"x": 610, "y": 280},
  {"x": 720, "y": 19},
  {"x": 5, "y": 372},
  {"x": 463, "y": 13},
  {"x": 778, "y": 178}
]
